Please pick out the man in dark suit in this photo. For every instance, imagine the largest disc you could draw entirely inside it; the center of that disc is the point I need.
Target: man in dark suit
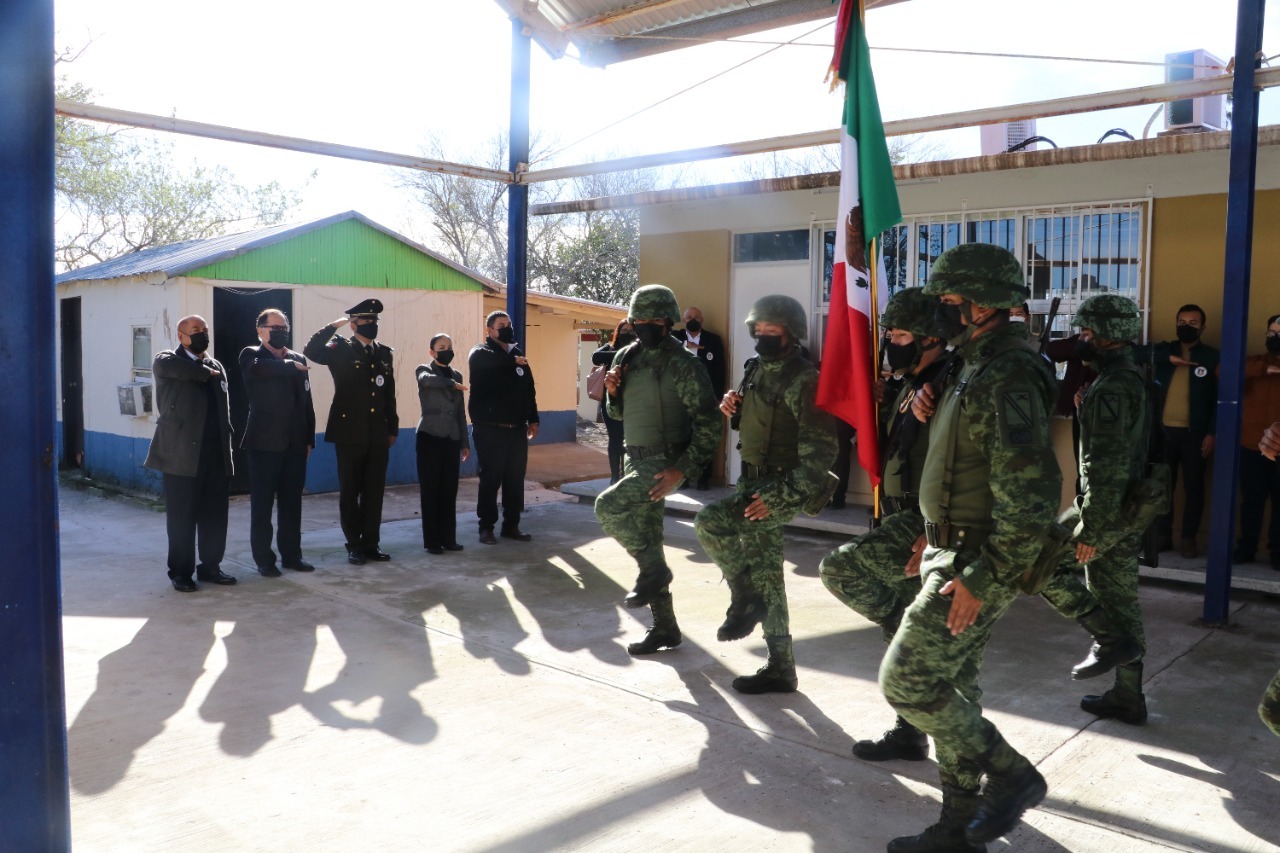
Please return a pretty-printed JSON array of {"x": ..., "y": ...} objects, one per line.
[
  {"x": 278, "y": 438},
  {"x": 504, "y": 419},
  {"x": 192, "y": 449},
  {"x": 363, "y": 423},
  {"x": 709, "y": 348}
]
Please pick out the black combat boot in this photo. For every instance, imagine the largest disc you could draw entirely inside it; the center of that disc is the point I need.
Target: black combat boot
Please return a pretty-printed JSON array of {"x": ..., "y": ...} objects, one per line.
[
  {"x": 665, "y": 633},
  {"x": 1013, "y": 786},
  {"x": 1123, "y": 702},
  {"x": 1111, "y": 646},
  {"x": 746, "y": 610},
  {"x": 903, "y": 742},
  {"x": 778, "y": 675},
  {"x": 959, "y": 805},
  {"x": 650, "y": 583}
]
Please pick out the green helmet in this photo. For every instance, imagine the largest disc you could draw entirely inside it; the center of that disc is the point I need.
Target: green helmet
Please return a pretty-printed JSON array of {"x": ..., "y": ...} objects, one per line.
[
  {"x": 1110, "y": 316},
  {"x": 984, "y": 274},
  {"x": 782, "y": 310},
  {"x": 654, "y": 302},
  {"x": 911, "y": 309}
]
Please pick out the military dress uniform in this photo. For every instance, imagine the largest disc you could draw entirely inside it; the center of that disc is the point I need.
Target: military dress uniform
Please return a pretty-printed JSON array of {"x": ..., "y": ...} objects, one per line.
[
  {"x": 669, "y": 420},
  {"x": 362, "y": 420}
]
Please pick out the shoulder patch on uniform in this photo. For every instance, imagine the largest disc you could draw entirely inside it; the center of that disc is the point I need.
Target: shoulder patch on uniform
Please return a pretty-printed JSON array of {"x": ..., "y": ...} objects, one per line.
[
  {"x": 1110, "y": 413},
  {"x": 333, "y": 344},
  {"x": 1019, "y": 418}
]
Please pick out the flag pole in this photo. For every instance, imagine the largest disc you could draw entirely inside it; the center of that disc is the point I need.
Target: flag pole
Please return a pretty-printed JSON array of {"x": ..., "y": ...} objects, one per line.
[{"x": 873, "y": 280}]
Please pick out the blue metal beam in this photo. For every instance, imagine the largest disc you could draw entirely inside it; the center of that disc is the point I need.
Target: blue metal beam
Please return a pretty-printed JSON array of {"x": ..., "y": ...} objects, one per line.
[
  {"x": 1235, "y": 308},
  {"x": 518, "y": 194},
  {"x": 33, "y": 732}
]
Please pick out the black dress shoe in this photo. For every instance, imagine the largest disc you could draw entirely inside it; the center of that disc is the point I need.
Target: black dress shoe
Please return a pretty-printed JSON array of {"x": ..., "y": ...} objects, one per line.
[
  {"x": 300, "y": 566},
  {"x": 453, "y": 546},
  {"x": 217, "y": 576},
  {"x": 376, "y": 553},
  {"x": 183, "y": 584},
  {"x": 355, "y": 557},
  {"x": 269, "y": 571},
  {"x": 517, "y": 535},
  {"x": 434, "y": 549},
  {"x": 486, "y": 536}
]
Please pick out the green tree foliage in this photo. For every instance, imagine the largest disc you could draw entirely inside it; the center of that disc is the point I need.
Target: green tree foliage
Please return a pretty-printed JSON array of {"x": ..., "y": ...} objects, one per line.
[{"x": 117, "y": 195}]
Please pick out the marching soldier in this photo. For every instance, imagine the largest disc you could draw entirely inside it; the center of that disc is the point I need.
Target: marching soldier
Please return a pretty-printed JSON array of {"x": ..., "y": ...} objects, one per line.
[
  {"x": 787, "y": 447},
  {"x": 363, "y": 423}
]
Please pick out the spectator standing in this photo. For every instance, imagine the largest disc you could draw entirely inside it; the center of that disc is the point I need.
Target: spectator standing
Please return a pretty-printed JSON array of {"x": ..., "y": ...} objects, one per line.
[
  {"x": 623, "y": 334},
  {"x": 278, "y": 438},
  {"x": 1259, "y": 478},
  {"x": 504, "y": 419},
  {"x": 192, "y": 450},
  {"x": 1269, "y": 707},
  {"x": 709, "y": 348},
  {"x": 442, "y": 446}
]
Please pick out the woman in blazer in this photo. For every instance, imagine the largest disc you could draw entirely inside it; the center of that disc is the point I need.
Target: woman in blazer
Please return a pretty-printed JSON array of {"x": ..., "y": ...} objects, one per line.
[{"x": 442, "y": 446}]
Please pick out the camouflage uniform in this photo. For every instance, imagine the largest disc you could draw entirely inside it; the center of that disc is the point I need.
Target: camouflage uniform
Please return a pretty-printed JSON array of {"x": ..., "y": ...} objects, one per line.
[
  {"x": 1269, "y": 707},
  {"x": 787, "y": 447},
  {"x": 990, "y": 439},
  {"x": 669, "y": 420}
]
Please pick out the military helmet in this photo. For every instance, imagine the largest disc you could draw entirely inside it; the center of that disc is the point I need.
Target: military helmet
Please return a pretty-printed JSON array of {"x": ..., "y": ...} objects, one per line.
[
  {"x": 654, "y": 302},
  {"x": 782, "y": 310},
  {"x": 1111, "y": 316},
  {"x": 984, "y": 274},
  {"x": 911, "y": 309}
]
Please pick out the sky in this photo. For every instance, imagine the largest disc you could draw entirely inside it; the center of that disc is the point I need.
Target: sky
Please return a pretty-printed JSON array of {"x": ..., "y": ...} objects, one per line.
[{"x": 389, "y": 74}]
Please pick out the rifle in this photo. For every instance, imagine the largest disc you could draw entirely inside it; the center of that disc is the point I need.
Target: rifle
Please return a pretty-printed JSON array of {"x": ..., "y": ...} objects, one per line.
[
  {"x": 1047, "y": 329},
  {"x": 749, "y": 370}
]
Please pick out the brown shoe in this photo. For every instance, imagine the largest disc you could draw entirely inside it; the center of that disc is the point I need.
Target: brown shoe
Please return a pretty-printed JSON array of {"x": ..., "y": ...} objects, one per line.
[
  {"x": 1188, "y": 549},
  {"x": 517, "y": 534},
  {"x": 486, "y": 536}
]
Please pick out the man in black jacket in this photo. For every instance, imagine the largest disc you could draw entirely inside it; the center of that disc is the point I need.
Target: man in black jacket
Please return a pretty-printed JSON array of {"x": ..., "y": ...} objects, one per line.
[
  {"x": 709, "y": 348},
  {"x": 192, "y": 449},
  {"x": 363, "y": 423},
  {"x": 504, "y": 419},
  {"x": 278, "y": 438}
]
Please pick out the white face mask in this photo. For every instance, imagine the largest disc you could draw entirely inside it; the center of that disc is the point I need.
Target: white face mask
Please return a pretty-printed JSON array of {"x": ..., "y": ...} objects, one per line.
[{"x": 1013, "y": 319}]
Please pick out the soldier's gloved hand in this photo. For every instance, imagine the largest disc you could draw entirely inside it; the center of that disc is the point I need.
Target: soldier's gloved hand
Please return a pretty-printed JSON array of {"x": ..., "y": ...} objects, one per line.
[
  {"x": 668, "y": 480},
  {"x": 757, "y": 510},
  {"x": 964, "y": 607}
]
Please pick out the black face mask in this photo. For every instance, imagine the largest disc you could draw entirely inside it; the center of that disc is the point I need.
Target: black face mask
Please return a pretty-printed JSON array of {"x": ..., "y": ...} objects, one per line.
[
  {"x": 693, "y": 327},
  {"x": 506, "y": 335},
  {"x": 650, "y": 335},
  {"x": 623, "y": 340},
  {"x": 900, "y": 356},
  {"x": 278, "y": 339},
  {"x": 368, "y": 330},
  {"x": 1086, "y": 351},
  {"x": 444, "y": 356},
  {"x": 948, "y": 320},
  {"x": 769, "y": 346},
  {"x": 1188, "y": 334},
  {"x": 199, "y": 342},
  {"x": 1273, "y": 345}
]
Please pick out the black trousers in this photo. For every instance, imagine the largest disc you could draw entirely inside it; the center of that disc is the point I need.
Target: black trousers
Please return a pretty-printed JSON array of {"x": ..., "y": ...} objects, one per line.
[
  {"x": 617, "y": 447},
  {"x": 1259, "y": 482},
  {"x": 1182, "y": 452},
  {"x": 503, "y": 454},
  {"x": 362, "y": 478},
  {"x": 195, "y": 508},
  {"x": 845, "y": 436},
  {"x": 276, "y": 478},
  {"x": 438, "y": 462}
]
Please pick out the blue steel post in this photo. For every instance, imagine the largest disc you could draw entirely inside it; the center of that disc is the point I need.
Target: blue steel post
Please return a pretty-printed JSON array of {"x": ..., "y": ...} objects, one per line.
[
  {"x": 33, "y": 731},
  {"x": 1235, "y": 305},
  {"x": 518, "y": 193}
]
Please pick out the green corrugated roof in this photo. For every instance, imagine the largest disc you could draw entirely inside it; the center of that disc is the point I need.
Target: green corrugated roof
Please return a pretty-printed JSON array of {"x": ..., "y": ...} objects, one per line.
[{"x": 348, "y": 252}]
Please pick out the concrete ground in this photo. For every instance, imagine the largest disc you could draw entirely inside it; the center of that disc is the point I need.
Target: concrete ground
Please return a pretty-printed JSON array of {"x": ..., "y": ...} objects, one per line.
[{"x": 484, "y": 701}]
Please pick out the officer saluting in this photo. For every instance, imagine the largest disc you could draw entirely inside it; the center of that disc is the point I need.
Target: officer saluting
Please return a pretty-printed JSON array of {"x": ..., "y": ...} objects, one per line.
[{"x": 363, "y": 423}]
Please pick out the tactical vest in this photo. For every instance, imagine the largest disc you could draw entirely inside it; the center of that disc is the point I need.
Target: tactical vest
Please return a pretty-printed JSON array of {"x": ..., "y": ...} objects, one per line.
[
  {"x": 768, "y": 432},
  {"x": 653, "y": 413}
]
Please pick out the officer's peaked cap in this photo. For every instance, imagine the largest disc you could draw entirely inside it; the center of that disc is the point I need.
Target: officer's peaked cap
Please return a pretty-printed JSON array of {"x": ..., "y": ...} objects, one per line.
[{"x": 367, "y": 308}]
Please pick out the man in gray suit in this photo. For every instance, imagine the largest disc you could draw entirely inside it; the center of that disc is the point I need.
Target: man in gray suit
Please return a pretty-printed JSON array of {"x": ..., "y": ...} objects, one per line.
[{"x": 192, "y": 449}]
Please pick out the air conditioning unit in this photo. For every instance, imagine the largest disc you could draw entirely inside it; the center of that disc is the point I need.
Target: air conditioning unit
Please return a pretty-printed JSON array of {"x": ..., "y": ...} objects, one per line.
[
  {"x": 1205, "y": 113},
  {"x": 999, "y": 138},
  {"x": 135, "y": 399}
]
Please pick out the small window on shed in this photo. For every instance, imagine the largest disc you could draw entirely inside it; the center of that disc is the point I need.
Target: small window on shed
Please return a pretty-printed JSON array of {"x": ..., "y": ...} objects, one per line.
[
  {"x": 761, "y": 246},
  {"x": 142, "y": 349}
]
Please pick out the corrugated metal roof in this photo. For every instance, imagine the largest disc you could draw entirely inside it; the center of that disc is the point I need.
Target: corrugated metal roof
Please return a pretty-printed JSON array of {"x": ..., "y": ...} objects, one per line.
[
  {"x": 609, "y": 31},
  {"x": 181, "y": 258}
]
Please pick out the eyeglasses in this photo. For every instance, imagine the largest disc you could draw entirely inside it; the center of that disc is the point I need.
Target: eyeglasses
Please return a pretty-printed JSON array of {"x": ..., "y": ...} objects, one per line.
[
  {"x": 1271, "y": 334},
  {"x": 275, "y": 328}
]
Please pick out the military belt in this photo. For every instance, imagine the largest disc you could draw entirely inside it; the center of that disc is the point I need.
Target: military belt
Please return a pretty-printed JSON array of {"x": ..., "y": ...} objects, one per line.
[
  {"x": 671, "y": 451},
  {"x": 756, "y": 472},
  {"x": 890, "y": 505},
  {"x": 954, "y": 536}
]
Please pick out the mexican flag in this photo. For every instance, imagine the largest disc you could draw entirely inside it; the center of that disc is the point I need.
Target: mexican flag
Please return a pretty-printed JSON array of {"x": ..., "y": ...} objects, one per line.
[{"x": 868, "y": 207}]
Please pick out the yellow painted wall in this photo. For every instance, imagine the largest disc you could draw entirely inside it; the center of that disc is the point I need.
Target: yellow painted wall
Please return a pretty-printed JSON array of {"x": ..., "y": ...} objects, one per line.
[{"x": 694, "y": 264}]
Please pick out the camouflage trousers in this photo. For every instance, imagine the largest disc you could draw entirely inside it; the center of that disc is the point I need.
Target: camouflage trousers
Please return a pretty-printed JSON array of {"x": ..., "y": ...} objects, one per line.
[
  {"x": 751, "y": 550},
  {"x": 1269, "y": 707},
  {"x": 626, "y": 512},
  {"x": 1110, "y": 580},
  {"x": 931, "y": 678},
  {"x": 866, "y": 572}
]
